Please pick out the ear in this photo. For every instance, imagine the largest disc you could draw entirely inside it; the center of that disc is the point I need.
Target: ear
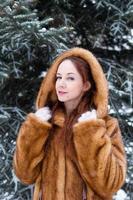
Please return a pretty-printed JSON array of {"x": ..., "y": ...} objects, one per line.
[{"x": 87, "y": 86}]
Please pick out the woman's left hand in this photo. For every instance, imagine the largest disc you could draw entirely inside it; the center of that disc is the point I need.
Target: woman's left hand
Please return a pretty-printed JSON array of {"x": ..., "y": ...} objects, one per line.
[{"x": 88, "y": 115}]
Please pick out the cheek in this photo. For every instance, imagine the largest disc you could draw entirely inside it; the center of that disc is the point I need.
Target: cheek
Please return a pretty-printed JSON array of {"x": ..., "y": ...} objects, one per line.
[
  {"x": 56, "y": 87},
  {"x": 77, "y": 87},
  {"x": 75, "y": 92},
  {"x": 68, "y": 96}
]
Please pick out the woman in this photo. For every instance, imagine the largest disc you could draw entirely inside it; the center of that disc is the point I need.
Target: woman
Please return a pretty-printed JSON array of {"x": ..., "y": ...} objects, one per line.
[{"x": 70, "y": 147}]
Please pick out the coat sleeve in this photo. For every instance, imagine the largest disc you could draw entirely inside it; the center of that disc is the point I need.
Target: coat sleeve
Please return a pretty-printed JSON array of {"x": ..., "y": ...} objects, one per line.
[
  {"x": 29, "y": 151},
  {"x": 100, "y": 153}
]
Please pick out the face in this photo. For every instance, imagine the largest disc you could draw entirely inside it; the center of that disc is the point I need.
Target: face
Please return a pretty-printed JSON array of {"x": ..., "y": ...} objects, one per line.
[{"x": 69, "y": 84}]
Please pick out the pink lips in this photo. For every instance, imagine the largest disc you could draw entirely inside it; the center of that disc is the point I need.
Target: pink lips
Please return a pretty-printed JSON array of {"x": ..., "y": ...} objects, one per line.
[{"x": 61, "y": 93}]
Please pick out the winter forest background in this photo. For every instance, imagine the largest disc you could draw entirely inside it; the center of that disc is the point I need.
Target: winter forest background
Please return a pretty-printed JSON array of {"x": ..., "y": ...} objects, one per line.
[{"x": 32, "y": 34}]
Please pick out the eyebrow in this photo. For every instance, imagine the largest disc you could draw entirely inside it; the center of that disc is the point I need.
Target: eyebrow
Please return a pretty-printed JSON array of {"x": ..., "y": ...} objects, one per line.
[{"x": 67, "y": 73}]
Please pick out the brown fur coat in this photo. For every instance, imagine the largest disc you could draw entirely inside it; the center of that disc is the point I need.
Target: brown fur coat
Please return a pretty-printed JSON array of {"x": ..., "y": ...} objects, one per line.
[{"x": 95, "y": 163}]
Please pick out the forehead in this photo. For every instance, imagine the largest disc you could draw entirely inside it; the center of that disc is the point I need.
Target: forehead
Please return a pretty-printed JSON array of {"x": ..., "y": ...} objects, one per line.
[{"x": 67, "y": 66}]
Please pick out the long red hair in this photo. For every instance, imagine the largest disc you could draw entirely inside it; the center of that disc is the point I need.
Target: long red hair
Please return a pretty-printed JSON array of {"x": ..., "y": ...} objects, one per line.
[{"x": 85, "y": 104}]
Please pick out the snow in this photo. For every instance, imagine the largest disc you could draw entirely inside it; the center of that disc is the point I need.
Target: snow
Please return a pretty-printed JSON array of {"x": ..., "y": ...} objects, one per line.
[
  {"x": 121, "y": 195},
  {"x": 43, "y": 74},
  {"x": 132, "y": 32}
]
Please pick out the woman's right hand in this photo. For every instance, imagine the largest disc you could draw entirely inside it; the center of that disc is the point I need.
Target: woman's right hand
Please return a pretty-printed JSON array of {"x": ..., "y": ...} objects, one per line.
[{"x": 43, "y": 113}]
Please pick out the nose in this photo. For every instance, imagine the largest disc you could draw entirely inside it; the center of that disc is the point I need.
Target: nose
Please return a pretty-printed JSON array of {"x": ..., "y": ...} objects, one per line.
[{"x": 62, "y": 83}]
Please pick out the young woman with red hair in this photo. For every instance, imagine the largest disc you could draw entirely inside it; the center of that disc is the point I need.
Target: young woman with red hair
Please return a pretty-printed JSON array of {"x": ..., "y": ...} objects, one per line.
[{"x": 70, "y": 147}]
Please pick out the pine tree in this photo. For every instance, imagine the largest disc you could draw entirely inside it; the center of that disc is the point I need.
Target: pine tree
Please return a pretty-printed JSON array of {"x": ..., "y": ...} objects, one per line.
[
  {"x": 27, "y": 45},
  {"x": 30, "y": 39},
  {"x": 106, "y": 28}
]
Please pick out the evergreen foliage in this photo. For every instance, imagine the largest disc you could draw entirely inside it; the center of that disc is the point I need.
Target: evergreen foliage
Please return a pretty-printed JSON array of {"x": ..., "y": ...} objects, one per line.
[
  {"x": 27, "y": 45},
  {"x": 32, "y": 33},
  {"x": 23, "y": 37}
]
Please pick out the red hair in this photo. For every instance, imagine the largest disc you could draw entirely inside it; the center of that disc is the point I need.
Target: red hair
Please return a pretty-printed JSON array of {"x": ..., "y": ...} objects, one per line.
[
  {"x": 85, "y": 72},
  {"x": 85, "y": 104}
]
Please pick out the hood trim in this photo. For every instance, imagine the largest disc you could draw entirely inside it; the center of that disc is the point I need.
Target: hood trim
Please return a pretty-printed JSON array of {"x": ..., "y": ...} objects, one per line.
[{"x": 47, "y": 89}]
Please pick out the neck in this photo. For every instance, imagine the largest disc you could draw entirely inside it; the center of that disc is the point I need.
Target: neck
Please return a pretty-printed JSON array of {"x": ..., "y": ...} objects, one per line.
[
  {"x": 70, "y": 106},
  {"x": 69, "y": 109}
]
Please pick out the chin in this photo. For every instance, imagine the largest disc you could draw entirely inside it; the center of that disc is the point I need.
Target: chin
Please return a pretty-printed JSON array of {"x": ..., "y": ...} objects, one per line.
[{"x": 62, "y": 99}]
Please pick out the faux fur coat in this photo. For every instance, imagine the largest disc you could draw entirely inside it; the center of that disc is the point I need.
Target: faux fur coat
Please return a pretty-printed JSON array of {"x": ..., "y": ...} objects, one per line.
[{"x": 95, "y": 164}]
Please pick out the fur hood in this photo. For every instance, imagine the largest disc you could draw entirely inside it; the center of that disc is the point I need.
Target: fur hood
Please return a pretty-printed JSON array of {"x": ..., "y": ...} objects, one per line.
[
  {"x": 93, "y": 161},
  {"x": 47, "y": 90}
]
